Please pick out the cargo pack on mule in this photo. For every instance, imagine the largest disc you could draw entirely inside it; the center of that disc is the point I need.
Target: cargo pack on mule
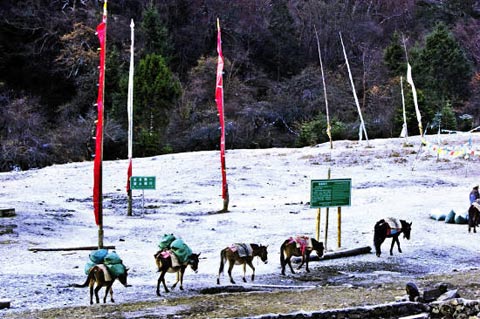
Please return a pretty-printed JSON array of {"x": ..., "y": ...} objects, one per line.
[
  {"x": 102, "y": 269},
  {"x": 174, "y": 256}
]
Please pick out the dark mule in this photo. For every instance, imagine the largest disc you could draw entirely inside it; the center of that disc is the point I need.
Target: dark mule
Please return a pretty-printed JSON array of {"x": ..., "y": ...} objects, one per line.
[
  {"x": 390, "y": 228},
  {"x": 235, "y": 258},
  {"x": 96, "y": 276},
  {"x": 299, "y": 246},
  {"x": 164, "y": 262},
  {"x": 473, "y": 218}
]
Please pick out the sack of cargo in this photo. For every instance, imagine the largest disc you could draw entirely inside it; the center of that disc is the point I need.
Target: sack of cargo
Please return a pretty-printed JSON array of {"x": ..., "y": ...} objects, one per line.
[
  {"x": 450, "y": 218},
  {"x": 116, "y": 269},
  {"x": 459, "y": 219},
  {"x": 165, "y": 242},
  {"x": 97, "y": 256},
  {"x": 112, "y": 258},
  {"x": 89, "y": 266},
  {"x": 181, "y": 250}
]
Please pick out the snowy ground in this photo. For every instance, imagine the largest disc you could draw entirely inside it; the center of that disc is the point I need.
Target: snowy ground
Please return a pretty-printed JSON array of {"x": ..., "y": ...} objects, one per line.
[{"x": 269, "y": 201}]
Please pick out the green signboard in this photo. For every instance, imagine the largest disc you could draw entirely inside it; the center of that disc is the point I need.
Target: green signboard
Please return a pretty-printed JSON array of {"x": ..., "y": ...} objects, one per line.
[
  {"x": 142, "y": 182},
  {"x": 330, "y": 192}
]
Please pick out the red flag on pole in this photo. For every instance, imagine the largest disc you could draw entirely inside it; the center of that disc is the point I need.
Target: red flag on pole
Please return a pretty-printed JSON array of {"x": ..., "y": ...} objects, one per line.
[
  {"x": 97, "y": 166},
  {"x": 219, "y": 100},
  {"x": 130, "y": 108}
]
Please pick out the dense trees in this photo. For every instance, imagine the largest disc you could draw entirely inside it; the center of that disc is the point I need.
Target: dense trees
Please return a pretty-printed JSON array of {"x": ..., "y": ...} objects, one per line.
[{"x": 272, "y": 81}]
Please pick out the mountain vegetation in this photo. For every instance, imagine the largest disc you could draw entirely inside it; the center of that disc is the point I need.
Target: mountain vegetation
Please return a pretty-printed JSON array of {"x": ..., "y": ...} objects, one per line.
[{"x": 274, "y": 96}]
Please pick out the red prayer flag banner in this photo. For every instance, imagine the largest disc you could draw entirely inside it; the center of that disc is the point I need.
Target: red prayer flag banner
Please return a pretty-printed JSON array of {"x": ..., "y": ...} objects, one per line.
[
  {"x": 219, "y": 100},
  {"x": 97, "y": 165},
  {"x": 129, "y": 174}
]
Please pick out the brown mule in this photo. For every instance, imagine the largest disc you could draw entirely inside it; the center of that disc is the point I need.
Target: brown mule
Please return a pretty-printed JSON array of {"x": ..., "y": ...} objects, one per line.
[
  {"x": 96, "y": 276},
  {"x": 164, "y": 263},
  {"x": 299, "y": 246},
  {"x": 235, "y": 258}
]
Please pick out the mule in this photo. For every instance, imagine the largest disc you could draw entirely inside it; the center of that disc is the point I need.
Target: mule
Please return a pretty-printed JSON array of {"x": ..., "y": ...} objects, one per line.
[
  {"x": 473, "y": 217},
  {"x": 299, "y": 246},
  {"x": 97, "y": 279},
  {"x": 165, "y": 264},
  {"x": 235, "y": 258},
  {"x": 390, "y": 228}
]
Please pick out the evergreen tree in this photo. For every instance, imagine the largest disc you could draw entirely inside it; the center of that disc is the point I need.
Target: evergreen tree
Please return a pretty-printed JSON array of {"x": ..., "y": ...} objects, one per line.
[
  {"x": 394, "y": 57},
  {"x": 156, "y": 91},
  {"x": 157, "y": 39},
  {"x": 443, "y": 70},
  {"x": 281, "y": 50}
]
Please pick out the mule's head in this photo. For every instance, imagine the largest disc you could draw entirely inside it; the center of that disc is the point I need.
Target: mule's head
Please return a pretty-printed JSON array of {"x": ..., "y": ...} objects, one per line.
[
  {"x": 318, "y": 247},
  {"x": 406, "y": 228},
  {"x": 193, "y": 261},
  {"x": 123, "y": 278},
  {"x": 262, "y": 253}
]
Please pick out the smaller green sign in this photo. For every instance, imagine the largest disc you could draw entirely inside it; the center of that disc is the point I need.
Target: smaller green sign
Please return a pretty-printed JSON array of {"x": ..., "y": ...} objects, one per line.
[
  {"x": 330, "y": 192},
  {"x": 142, "y": 182}
]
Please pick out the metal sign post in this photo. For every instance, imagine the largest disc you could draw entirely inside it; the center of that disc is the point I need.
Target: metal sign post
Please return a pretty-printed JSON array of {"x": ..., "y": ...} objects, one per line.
[
  {"x": 143, "y": 183},
  {"x": 330, "y": 193}
]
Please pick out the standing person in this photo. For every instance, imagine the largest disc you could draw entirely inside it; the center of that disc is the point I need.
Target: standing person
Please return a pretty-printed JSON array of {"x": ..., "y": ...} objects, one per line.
[{"x": 474, "y": 195}]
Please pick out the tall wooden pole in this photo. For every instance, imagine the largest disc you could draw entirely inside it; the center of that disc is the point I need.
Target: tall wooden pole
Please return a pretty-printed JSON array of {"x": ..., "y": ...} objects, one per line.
[{"x": 329, "y": 128}]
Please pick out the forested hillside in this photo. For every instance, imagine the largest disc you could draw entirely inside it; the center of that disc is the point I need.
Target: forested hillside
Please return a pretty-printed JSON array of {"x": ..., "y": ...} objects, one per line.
[{"x": 274, "y": 96}]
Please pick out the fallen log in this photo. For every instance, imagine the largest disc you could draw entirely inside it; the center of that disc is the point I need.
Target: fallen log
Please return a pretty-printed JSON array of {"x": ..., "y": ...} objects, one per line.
[
  {"x": 337, "y": 254},
  {"x": 4, "y": 303},
  {"x": 35, "y": 249}
]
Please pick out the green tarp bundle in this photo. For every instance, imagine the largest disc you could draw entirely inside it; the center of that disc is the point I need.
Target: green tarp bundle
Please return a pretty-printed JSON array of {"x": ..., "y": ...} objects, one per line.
[
  {"x": 111, "y": 259},
  {"x": 181, "y": 250},
  {"x": 166, "y": 241}
]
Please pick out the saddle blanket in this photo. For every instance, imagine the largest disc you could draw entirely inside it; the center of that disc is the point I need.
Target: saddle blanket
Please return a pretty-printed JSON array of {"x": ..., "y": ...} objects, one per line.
[
  {"x": 173, "y": 257},
  {"x": 394, "y": 224},
  {"x": 106, "y": 273},
  {"x": 303, "y": 242},
  {"x": 243, "y": 250}
]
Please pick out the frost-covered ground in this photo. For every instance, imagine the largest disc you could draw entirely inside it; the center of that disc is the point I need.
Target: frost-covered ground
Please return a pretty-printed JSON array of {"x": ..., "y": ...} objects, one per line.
[{"x": 269, "y": 201}]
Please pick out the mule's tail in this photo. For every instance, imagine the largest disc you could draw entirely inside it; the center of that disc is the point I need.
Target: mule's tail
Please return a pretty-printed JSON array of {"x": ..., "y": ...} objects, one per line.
[
  {"x": 222, "y": 261},
  {"x": 85, "y": 284},
  {"x": 282, "y": 255}
]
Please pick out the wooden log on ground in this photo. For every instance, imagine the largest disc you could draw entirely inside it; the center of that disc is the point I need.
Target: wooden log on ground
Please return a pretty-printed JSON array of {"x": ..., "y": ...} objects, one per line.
[
  {"x": 35, "y": 249},
  {"x": 4, "y": 303},
  {"x": 337, "y": 254},
  {"x": 7, "y": 212}
]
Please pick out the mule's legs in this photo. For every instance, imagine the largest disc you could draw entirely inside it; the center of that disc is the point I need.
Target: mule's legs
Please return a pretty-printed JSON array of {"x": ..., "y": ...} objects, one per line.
[
  {"x": 249, "y": 262},
  {"x": 179, "y": 278},
  {"x": 96, "y": 290},
  {"x": 398, "y": 245},
  {"x": 230, "y": 267},
  {"x": 108, "y": 288},
  {"x": 377, "y": 242},
  {"x": 395, "y": 240},
  {"x": 289, "y": 262},
  {"x": 182, "y": 272},
  {"x": 176, "y": 282},
  {"x": 161, "y": 279},
  {"x": 307, "y": 257},
  {"x": 303, "y": 261},
  {"x": 91, "y": 293}
]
